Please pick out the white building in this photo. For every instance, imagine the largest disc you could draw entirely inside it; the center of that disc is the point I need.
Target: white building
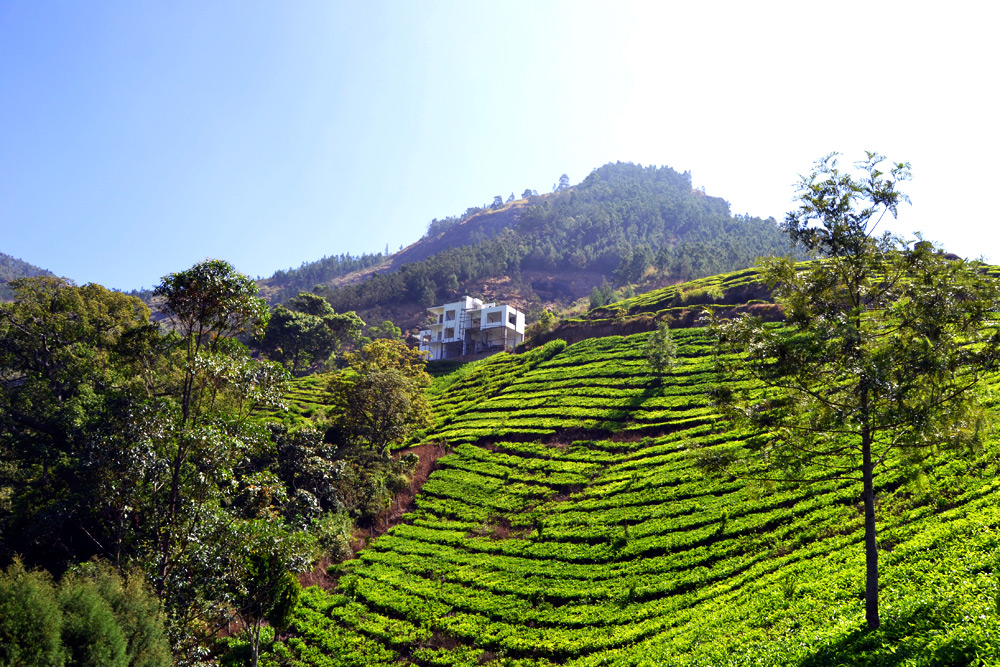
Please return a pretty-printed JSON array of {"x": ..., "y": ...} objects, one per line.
[{"x": 471, "y": 327}]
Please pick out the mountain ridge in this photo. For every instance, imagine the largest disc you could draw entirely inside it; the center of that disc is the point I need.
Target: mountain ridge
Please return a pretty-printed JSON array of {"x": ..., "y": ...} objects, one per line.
[{"x": 624, "y": 223}]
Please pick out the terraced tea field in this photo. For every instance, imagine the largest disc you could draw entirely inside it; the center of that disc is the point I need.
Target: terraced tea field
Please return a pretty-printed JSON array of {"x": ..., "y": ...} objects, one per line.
[{"x": 577, "y": 521}]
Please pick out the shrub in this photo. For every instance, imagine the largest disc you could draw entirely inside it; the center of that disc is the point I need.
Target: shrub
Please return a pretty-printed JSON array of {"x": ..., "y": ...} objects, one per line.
[
  {"x": 137, "y": 611},
  {"x": 90, "y": 633},
  {"x": 30, "y": 619}
]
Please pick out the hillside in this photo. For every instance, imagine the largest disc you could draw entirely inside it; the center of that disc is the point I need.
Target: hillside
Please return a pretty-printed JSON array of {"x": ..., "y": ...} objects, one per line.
[
  {"x": 11, "y": 268},
  {"x": 625, "y": 223},
  {"x": 582, "y": 518}
]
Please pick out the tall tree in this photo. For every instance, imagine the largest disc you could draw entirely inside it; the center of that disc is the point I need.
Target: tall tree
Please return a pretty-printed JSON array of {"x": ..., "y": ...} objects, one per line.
[
  {"x": 880, "y": 359},
  {"x": 207, "y": 304},
  {"x": 204, "y": 438}
]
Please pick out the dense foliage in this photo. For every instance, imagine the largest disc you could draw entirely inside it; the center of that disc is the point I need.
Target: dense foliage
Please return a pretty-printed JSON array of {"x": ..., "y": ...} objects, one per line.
[
  {"x": 147, "y": 448},
  {"x": 93, "y": 616},
  {"x": 380, "y": 399},
  {"x": 620, "y": 221}
]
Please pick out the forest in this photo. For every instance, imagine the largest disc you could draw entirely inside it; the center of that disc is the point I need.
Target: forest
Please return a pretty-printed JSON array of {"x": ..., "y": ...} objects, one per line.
[
  {"x": 146, "y": 510},
  {"x": 310, "y": 274},
  {"x": 620, "y": 221}
]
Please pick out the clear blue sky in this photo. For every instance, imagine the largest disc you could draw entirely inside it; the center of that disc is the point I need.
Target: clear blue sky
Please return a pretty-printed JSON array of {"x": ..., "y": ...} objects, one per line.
[{"x": 140, "y": 137}]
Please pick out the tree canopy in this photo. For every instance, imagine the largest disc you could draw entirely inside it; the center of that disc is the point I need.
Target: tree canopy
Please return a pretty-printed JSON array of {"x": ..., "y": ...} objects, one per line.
[
  {"x": 139, "y": 445},
  {"x": 308, "y": 331},
  {"x": 881, "y": 355},
  {"x": 380, "y": 399}
]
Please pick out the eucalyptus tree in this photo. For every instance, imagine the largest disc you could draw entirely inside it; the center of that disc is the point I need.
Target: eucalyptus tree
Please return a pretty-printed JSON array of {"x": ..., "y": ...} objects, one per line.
[{"x": 880, "y": 359}]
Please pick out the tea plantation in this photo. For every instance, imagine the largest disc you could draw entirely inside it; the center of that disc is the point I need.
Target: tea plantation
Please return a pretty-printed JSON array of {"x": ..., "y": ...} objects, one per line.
[{"x": 581, "y": 518}]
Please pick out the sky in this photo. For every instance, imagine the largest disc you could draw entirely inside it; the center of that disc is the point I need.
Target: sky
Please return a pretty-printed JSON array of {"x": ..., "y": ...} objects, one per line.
[{"x": 139, "y": 138}]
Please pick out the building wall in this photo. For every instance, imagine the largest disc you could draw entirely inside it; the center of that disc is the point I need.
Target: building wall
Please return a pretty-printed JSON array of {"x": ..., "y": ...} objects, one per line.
[{"x": 474, "y": 325}]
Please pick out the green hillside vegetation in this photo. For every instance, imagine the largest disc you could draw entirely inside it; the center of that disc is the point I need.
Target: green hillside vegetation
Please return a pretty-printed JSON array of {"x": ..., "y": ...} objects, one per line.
[
  {"x": 632, "y": 488},
  {"x": 310, "y": 274},
  {"x": 620, "y": 221},
  {"x": 583, "y": 517},
  {"x": 304, "y": 403},
  {"x": 11, "y": 268}
]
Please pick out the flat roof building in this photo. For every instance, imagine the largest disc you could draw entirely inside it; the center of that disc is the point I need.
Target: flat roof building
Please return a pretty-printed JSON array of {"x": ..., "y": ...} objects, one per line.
[{"x": 471, "y": 327}]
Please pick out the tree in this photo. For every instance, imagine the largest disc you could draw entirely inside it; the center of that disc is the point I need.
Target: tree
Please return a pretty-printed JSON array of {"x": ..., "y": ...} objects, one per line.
[
  {"x": 451, "y": 284},
  {"x": 880, "y": 357},
  {"x": 596, "y": 298},
  {"x": 296, "y": 339},
  {"x": 546, "y": 321},
  {"x": 265, "y": 583},
  {"x": 563, "y": 182},
  {"x": 69, "y": 356},
  {"x": 527, "y": 193},
  {"x": 90, "y": 633},
  {"x": 311, "y": 304},
  {"x": 380, "y": 399},
  {"x": 386, "y": 330},
  {"x": 136, "y": 609},
  {"x": 207, "y": 304},
  {"x": 308, "y": 332},
  {"x": 201, "y": 436},
  {"x": 660, "y": 350}
]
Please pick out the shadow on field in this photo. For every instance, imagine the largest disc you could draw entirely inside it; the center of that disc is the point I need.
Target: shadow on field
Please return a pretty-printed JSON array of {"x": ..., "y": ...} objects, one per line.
[{"x": 918, "y": 636}]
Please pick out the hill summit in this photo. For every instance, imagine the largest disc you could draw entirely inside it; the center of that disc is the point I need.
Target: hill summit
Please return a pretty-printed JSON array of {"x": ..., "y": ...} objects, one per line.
[{"x": 623, "y": 224}]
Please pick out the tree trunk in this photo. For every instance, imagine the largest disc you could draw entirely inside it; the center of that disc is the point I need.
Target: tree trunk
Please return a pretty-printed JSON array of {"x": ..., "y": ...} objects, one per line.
[
  {"x": 871, "y": 546},
  {"x": 254, "y": 643}
]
